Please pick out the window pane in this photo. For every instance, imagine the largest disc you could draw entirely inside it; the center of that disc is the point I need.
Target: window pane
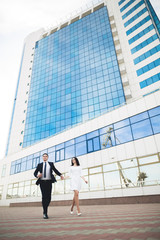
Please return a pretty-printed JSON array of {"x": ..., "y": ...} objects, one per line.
[
  {"x": 81, "y": 148},
  {"x": 27, "y": 191},
  {"x": 112, "y": 180},
  {"x": 90, "y": 145},
  {"x": 67, "y": 186},
  {"x": 59, "y": 146},
  {"x": 107, "y": 140},
  {"x": 154, "y": 111},
  {"x": 80, "y": 139},
  {"x": 129, "y": 163},
  {"x": 96, "y": 144},
  {"x": 51, "y": 149},
  {"x": 110, "y": 167},
  {"x": 95, "y": 170},
  {"x": 69, "y": 152},
  {"x": 139, "y": 117},
  {"x": 122, "y": 123},
  {"x": 33, "y": 190},
  {"x": 129, "y": 177},
  {"x": 155, "y": 121},
  {"x": 52, "y": 157},
  {"x": 152, "y": 172},
  {"x": 149, "y": 159},
  {"x": 15, "y": 193},
  {"x": 70, "y": 142},
  {"x": 123, "y": 135},
  {"x": 57, "y": 155},
  {"x": 62, "y": 154},
  {"x": 141, "y": 129},
  {"x": 105, "y": 129},
  {"x": 23, "y": 166},
  {"x": 92, "y": 134},
  {"x": 85, "y": 172},
  {"x": 29, "y": 164},
  {"x": 96, "y": 182},
  {"x": 84, "y": 187},
  {"x": 9, "y": 193},
  {"x": 20, "y": 192}
]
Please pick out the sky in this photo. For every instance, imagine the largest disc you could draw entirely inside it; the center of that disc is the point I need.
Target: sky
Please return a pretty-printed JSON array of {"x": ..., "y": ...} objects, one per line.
[{"x": 18, "y": 18}]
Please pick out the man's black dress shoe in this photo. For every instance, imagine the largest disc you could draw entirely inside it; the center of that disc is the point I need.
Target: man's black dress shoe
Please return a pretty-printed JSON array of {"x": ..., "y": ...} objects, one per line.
[{"x": 45, "y": 216}]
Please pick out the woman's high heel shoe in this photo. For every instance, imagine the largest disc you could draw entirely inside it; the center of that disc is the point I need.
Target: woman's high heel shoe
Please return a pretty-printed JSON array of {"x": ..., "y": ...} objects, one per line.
[
  {"x": 71, "y": 212},
  {"x": 79, "y": 214}
]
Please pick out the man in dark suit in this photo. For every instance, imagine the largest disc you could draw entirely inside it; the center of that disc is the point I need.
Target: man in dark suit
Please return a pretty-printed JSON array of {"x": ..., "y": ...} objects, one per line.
[{"x": 45, "y": 178}]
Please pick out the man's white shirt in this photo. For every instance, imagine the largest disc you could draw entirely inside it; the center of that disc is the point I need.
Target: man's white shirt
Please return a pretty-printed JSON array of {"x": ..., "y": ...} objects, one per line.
[{"x": 48, "y": 173}]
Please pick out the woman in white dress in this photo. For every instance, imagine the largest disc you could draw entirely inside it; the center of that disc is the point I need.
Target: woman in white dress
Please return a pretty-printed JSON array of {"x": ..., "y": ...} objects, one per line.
[{"x": 75, "y": 174}]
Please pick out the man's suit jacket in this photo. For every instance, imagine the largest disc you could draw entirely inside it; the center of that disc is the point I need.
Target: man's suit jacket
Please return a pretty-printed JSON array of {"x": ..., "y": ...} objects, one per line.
[{"x": 40, "y": 169}]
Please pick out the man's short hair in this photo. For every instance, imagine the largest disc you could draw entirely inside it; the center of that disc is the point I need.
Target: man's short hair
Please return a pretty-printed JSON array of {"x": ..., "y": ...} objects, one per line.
[{"x": 45, "y": 154}]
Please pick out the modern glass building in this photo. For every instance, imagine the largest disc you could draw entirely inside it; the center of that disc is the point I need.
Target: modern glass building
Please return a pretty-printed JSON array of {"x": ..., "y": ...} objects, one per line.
[{"x": 89, "y": 88}]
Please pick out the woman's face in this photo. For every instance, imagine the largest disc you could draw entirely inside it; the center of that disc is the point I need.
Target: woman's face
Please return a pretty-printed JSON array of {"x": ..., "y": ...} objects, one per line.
[{"x": 73, "y": 160}]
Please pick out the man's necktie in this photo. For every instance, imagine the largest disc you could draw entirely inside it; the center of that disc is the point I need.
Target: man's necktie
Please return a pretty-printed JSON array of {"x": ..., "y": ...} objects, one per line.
[{"x": 45, "y": 170}]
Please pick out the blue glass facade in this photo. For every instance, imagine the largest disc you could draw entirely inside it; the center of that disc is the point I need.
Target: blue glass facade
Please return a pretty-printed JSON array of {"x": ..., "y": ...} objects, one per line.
[
  {"x": 121, "y": 132},
  {"x": 155, "y": 25},
  {"x": 75, "y": 77},
  {"x": 135, "y": 17},
  {"x": 133, "y": 9},
  {"x": 154, "y": 16}
]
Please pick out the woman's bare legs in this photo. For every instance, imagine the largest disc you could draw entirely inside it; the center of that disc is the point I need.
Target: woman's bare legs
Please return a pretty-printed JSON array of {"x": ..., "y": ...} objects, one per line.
[
  {"x": 73, "y": 203},
  {"x": 76, "y": 198}
]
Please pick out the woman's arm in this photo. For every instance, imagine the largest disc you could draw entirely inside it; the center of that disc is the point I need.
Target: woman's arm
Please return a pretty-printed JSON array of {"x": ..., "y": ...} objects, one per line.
[{"x": 84, "y": 179}]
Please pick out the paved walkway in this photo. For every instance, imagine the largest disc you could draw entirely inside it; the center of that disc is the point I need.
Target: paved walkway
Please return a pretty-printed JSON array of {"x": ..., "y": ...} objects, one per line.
[{"x": 137, "y": 221}]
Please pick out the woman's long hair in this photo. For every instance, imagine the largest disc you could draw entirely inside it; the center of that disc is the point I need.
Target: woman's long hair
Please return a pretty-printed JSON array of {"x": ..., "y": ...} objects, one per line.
[{"x": 77, "y": 161}]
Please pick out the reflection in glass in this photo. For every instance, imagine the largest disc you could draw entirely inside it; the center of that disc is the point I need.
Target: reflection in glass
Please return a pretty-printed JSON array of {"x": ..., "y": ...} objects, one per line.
[
  {"x": 96, "y": 182},
  {"x": 121, "y": 124},
  {"x": 69, "y": 152},
  {"x": 139, "y": 117},
  {"x": 141, "y": 129},
  {"x": 112, "y": 180},
  {"x": 107, "y": 140},
  {"x": 129, "y": 177},
  {"x": 153, "y": 173},
  {"x": 155, "y": 121},
  {"x": 154, "y": 111},
  {"x": 123, "y": 135},
  {"x": 81, "y": 148}
]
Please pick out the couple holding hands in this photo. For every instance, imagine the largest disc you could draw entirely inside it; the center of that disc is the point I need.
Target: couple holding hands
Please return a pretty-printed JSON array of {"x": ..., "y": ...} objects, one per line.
[{"x": 45, "y": 179}]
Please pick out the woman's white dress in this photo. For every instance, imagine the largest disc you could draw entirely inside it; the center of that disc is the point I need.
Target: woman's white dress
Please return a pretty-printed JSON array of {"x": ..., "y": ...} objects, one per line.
[{"x": 75, "y": 173}]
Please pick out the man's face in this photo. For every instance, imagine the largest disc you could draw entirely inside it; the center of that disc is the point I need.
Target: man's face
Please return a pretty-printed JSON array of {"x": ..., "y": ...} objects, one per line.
[{"x": 45, "y": 158}]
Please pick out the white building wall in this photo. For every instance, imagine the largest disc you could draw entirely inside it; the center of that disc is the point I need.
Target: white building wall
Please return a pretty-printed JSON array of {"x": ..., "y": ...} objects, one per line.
[
  {"x": 142, "y": 147},
  {"x": 18, "y": 126}
]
